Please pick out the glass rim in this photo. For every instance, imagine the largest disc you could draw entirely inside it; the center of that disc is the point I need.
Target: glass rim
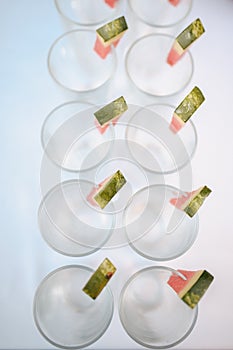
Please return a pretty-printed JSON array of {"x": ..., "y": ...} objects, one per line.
[
  {"x": 123, "y": 290},
  {"x": 181, "y": 166},
  {"x": 161, "y": 25},
  {"x": 82, "y": 91},
  {"x": 44, "y": 280},
  {"x": 157, "y": 35}
]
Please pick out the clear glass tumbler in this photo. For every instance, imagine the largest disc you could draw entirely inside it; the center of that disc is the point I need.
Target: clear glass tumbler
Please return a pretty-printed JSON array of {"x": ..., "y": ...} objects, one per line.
[
  {"x": 164, "y": 151},
  {"x": 70, "y": 137},
  {"x": 69, "y": 223},
  {"x": 66, "y": 316},
  {"x": 155, "y": 228},
  {"x": 160, "y": 13},
  {"x": 151, "y": 312},
  {"x": 86, "y": 12},
  {"x": 74, "y": 64},
  {"x": 147, "y": 67}
]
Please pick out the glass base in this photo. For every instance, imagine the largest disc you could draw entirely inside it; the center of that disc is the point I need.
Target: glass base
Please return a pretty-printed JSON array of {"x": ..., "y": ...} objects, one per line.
[
  {"x": 151, "y": 312},
  {"x": 65, "y": 315},
  {"x": 147, "y": 67},
  {"x": 74, "y": 64}
]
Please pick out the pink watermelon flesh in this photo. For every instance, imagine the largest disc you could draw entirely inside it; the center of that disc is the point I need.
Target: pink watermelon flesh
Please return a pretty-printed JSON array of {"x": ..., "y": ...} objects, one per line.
[
  {"x": 116, "y": 42},
  {"x": 173, "y": 56},
  {"x": 100, "y": 49},
  {"x": 95, "y": 190},
  {"x": 111, "y": 3},
  {"x": 103, "y": 128},
  {"x": 100, "y": 128},
  {"x": 176, "y": 124},
  {"x": 182, "y": 202},
  {"x": 178, "y": 283},
  {"x": 174, "y": 2}
]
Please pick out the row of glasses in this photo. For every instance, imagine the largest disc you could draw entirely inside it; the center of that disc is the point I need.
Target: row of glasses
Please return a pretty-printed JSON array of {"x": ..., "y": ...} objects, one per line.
[
  {"x": 143, "y": 146},
  {"x": 74, "y": 64},
  {"x": 154, "y": 317},
  {"x": 158, "y": 13}
]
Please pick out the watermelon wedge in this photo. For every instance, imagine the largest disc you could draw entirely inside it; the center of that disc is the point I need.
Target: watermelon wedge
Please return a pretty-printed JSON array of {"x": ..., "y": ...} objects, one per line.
[
  {"x": 192, "y": 286},
  {"x": 186, "y": 109},
  {"x": 184, "y": 40},
  {"x": 99, "y": 279},
  {"x": 109, "y": 34},
  {"x": 106, "y": 190},
  {"x": 174, "y": 2},
  {"x": 191, "y": 201},
  {"x": 110, "y": 113},
  {"x": 111, "y": 3}
]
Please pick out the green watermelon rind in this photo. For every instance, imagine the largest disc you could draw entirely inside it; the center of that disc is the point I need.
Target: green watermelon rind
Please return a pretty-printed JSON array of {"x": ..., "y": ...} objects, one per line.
[
  {"x": 198, "y": 289},
  {"x": 99, "y": 279},
  {"x": 197, "y": 201},
  {"x": 111, "y": 111},
  {"x": 113, "y": 30},
  {"x": 189, "y": 105},
  {"x": 190, "y": 34},
  {"x": 109, "y": 190}
]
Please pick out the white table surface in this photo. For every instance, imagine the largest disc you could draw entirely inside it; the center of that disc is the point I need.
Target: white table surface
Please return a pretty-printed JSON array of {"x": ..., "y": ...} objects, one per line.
[{"x": 28, "y": 94}]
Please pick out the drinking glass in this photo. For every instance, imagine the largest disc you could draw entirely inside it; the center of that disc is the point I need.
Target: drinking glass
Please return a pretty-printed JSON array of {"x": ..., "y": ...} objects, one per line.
[
  {"x": 155, "y": 228},
  {"x": 147, "y": 67},
  {"x": 69, "y": 135},
  {"x": 86, "y": 12},
  {"x": 166, "y": 151},
  {"x": 151, "y": 312},
  {"x": 66, "y": 316},
  {"x": 74, "y": 64},
  {"x": 69, "y": 223},
  {"x": 160, "y": 13}
]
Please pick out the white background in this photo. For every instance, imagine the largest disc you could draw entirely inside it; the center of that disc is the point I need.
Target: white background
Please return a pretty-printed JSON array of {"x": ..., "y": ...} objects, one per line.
[{"x": 28, "y": 94}]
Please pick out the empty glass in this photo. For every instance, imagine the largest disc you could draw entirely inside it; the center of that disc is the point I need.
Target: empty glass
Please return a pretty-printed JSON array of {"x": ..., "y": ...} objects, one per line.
[
  {"x": 69, "y": 135},
  {"x": 155, "y": 228},
  {"x": 86, "y": 12},
  {"x": 74, "y": 64},
  {"x": 69, "y": 223},
  {"x": 151, "y": 312},
  {"x": 165, "y": 151},
  {"x": 66, "y": 316},
  {"x": 160, "y": 13},
  {"x": 147, "y": 67}
]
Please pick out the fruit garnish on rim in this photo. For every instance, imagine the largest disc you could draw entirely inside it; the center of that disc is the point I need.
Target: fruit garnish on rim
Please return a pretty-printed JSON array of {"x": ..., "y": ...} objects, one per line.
[
  {"x": 109, "y": 34},
  {"x": 106, "y": 190},
  {"x": 190, "y": 286},
  {"x": 99, "y": 279},
  {"x": 110, "y": 113},
  {"x": 191, "y": 201},
  {"x": 111, "y": 3},
  {"x": 186, "y": 109},
  {"x": 184, "y": 40}
]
